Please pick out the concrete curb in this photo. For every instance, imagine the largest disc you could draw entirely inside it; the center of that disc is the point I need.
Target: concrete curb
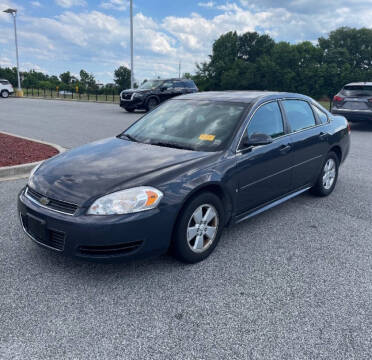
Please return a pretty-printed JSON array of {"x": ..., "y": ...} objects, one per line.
[{"x": 23, "y": 170}]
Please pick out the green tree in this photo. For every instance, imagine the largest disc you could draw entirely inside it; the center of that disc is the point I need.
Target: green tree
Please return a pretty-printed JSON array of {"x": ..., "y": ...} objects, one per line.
[
  {"x": 122, "y": 77},
  {"x": 87, "y": 81},
  {"x": 253, "y": 61},
  {"x": 65, "y": 77}
]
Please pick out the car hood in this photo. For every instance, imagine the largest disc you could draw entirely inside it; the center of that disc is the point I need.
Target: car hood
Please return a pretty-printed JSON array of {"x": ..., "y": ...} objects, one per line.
[{"x": 104, "y": 166}]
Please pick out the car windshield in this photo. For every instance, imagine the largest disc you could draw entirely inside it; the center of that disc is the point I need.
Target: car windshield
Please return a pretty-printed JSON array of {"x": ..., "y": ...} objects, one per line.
[
  {"x": 188, "y": 124},
  {"x": 151, "y": 84},
  {"x": 357, "y": 90}
]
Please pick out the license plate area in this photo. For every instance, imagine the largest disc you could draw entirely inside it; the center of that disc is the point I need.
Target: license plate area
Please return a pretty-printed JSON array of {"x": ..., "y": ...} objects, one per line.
[
  {"x": 355, "y": 105},
  {"x": 36, "y": 228}
]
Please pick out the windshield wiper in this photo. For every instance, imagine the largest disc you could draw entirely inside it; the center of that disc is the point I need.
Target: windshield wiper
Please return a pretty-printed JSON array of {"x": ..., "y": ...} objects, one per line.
[
  {"x": 129, "y": 137},
  {"x": 172, "y": 145}
]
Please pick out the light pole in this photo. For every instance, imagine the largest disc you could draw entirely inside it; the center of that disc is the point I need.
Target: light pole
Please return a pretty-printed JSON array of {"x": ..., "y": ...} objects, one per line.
[
  {"x": 131, "y": 46},
  {"x": 13, "y": 12}
]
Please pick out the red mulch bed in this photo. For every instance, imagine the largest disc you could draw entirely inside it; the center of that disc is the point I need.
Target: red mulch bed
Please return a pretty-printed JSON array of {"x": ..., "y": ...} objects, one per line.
[{"x": 16, "y": 151}]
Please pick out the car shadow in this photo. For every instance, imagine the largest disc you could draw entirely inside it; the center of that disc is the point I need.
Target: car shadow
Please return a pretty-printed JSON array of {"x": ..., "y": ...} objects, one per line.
[{"x": 362, "y": 126}]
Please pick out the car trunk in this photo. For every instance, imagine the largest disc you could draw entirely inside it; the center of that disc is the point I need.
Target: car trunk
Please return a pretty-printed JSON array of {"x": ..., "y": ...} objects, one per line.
[{"x": 355, "y": 97}]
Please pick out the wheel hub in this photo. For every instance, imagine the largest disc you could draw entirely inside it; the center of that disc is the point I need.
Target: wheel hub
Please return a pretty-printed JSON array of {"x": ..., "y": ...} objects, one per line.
[{"x": 202, "y": 228}]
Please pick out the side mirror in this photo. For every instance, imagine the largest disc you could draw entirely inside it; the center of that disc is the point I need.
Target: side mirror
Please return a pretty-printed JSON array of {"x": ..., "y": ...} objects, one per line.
[{"x": 258, "y": 139}]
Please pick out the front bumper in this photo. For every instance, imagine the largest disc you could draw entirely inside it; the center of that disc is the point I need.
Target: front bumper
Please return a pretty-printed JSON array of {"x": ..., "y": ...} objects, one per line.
[
  {"x": 100, "y": 238},
  {"x": 353, "y": 115},
  {"x": 133, "y": 103}
]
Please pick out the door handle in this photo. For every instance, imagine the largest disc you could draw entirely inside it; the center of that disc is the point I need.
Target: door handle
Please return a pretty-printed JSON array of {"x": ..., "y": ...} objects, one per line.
[
  {"x": 284, "y": 149},
  {"x": 322, "y": 135}
]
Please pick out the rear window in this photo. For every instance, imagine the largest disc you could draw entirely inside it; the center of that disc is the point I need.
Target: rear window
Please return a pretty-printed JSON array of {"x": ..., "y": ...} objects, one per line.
[
  {"x": 190, "y": 84},
  {"x": 357, "y": 90},
  {"x": 299, "y": 114},
  {"x": 321, "y": 115},
  {"x": 4, "y": 82}
]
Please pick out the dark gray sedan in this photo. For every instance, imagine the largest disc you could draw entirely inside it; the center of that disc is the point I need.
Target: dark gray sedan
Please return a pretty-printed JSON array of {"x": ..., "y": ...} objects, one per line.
[{"x": 354, "y": 101}]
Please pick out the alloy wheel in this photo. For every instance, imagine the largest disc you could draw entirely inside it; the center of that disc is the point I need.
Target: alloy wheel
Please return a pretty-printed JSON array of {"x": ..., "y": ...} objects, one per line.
[
  {"x": 329, "y": 175},
  {"x": 202, "y": 228},
  {"x": 152, "y": 104}
]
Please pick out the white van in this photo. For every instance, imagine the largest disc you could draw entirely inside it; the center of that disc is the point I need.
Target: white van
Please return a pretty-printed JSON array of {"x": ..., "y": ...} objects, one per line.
[{"x": 6, "y": 88}]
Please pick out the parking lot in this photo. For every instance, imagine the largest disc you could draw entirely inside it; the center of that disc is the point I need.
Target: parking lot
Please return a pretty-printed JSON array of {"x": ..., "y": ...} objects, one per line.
[{"x": 292, "y": 283}]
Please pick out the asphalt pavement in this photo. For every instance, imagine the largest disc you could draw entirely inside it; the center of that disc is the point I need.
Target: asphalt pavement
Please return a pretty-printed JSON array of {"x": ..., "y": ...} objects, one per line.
[{"x": 292, "y": 283}]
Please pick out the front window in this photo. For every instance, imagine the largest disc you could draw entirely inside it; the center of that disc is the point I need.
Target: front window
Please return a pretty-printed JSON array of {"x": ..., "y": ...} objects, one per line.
[
  {"x": 151, "y": 84},
  {"x": 189, "y": 124},
  {"x": 267, "y": 120}
]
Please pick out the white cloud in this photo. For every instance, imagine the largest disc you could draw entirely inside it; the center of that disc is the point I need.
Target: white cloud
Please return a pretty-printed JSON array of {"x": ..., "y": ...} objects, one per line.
[
  {"x": 5, "y": 61},
  {"x": 70, "y": 3},
  {"x": 36, "y": 3},
  {"x": 99, "y": 42},
  {"x": 209, "y": 4},
  {"x": 120, "y": 5}
]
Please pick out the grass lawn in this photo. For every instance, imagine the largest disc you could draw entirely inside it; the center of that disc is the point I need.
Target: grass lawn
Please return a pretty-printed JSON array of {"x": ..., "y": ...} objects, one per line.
[{"x": 325, "y": 104}]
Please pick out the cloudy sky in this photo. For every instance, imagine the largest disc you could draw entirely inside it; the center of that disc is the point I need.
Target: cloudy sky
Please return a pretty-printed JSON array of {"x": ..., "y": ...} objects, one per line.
[{"x": 60, "y": 35}]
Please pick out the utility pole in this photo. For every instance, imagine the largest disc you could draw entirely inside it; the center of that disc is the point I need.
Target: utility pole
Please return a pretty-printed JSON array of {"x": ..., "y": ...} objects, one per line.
[
  {"x": 131, "y": 46},
  {"x": 179, "y": 70},
  {"x": 13, "y": 12}
]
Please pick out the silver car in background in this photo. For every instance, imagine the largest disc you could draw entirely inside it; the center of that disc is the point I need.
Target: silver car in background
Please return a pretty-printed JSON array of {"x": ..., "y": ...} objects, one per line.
[{"x": 354, "y": 102}]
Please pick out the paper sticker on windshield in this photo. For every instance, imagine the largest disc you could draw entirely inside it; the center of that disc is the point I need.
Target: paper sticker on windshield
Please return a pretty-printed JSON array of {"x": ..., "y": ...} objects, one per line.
[{"x": 207, "y": 137}]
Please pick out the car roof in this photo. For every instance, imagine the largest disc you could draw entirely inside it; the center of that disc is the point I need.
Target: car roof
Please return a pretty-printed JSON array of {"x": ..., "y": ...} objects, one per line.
[
  {"x": 240, "y": 96},
  {"x": 359, "y": 83}
]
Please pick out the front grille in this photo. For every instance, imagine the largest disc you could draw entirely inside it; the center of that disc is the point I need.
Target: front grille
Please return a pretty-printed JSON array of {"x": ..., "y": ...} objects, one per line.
[
  {"x": 56, "y": 240},
  {"x": 126, "y": 96},
  {"x": 111, "y": 249},
  {"x": 56, "y": 205},
  {"x": 52, "y": 238}
]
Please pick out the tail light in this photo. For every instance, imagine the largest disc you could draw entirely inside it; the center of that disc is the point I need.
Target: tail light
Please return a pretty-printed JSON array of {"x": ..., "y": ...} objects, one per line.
[
  {"x": 338, "y": 98},
  {"x": 348, "y": 127}
]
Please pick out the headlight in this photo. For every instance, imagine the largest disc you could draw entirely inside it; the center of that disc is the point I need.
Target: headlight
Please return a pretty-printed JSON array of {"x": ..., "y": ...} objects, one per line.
[
  {"x": 33, "y": 171},
  {"x": 127, "y": 201}
]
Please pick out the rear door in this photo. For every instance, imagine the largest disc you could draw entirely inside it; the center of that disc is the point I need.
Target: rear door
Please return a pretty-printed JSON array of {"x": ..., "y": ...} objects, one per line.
[
  {"x": 309, "y": 140},
  {"x": 264, "y": 172}
]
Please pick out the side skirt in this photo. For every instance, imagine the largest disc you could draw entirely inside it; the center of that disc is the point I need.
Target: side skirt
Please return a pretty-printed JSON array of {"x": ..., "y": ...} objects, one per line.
[{"x": 264, "y": 208}]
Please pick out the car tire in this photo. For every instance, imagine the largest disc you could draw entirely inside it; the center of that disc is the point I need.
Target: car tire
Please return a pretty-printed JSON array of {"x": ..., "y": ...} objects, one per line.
[
  {"x": 198, "y": 228},
  {"x": 328, "y": 177},
  {"x": 152, "y": 103},
  {"x": 130, "y": 110},
  {"x": 5, "y": 94}
]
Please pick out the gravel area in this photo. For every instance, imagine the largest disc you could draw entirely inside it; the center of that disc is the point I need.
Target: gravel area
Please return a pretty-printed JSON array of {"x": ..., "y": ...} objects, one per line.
[
  {"x": 17, "y": 151},
  {"x": 292, "y": 283}
]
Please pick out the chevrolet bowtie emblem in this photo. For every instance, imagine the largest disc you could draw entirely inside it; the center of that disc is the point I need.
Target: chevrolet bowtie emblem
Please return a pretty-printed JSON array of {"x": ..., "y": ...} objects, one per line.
[{"x": 44, "y": 201}]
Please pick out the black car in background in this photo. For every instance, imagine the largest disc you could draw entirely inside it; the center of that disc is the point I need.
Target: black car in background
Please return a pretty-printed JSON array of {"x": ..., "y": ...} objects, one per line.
[
  {"x": 354, "y": 101},
  {"x": 153, "y": 92},
  {"x": 183, "y": 172}
]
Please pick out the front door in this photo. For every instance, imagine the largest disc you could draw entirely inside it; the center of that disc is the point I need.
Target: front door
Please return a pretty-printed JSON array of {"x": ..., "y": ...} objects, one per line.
[{"x": 264, "y": 172}]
